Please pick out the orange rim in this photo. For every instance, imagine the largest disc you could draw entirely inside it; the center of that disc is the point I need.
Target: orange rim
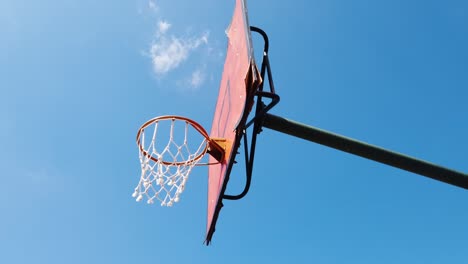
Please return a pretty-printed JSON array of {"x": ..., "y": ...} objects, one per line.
[{"x": 194, "y": 124}]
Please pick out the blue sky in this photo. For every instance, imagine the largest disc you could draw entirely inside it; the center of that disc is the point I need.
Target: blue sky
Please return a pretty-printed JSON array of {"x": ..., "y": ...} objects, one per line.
[{"x": 77, "y": 79}]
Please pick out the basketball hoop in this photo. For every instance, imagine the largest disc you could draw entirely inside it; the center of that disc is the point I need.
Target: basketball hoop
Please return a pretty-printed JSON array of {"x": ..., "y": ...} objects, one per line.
[{"x": 165, "y": 167}]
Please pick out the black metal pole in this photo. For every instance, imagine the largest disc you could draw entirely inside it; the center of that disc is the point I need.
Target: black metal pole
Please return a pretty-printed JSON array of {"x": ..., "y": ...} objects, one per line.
[{"x": 366, "y": 150}]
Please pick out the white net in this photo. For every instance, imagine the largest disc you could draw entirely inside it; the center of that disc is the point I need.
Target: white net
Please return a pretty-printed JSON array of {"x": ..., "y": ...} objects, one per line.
[{"x": 165, "y": 167}]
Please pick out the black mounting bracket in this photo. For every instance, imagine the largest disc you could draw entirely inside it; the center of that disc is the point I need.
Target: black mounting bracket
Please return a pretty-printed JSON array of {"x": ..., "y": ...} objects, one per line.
[{"x": 261, "y": 109}]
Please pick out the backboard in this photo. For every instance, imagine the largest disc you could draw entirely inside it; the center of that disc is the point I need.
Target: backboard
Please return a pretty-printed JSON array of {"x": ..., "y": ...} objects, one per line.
[{"x": 239, "y": 82}]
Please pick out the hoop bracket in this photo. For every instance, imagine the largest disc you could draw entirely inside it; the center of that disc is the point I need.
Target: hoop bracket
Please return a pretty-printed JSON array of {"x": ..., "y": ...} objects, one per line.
[{"x": 218, "y": 147}]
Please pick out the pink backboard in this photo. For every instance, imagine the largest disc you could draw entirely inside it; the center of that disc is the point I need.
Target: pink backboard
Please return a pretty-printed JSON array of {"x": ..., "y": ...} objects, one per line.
[{"x": 239, "y": 82}]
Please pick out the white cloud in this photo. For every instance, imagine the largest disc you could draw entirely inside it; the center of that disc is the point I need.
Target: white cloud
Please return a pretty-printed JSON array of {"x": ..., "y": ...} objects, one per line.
[
  {"x": 169, "y": 50},
  {"x": 163, "y": 26},
  {"x": 197, "y": 79},
  {"x": 204, "y": 38},
  {"x": 152, "y": 5},
  {"x": 168, "y": 53}
]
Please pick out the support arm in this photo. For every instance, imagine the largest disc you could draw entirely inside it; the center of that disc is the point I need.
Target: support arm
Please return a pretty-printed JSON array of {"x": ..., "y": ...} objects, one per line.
[{"x": 365, "y": 150}]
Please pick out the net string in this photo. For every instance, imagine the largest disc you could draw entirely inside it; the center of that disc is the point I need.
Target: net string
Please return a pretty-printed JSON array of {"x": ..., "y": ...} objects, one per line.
[{"x": 164, "y": 174}]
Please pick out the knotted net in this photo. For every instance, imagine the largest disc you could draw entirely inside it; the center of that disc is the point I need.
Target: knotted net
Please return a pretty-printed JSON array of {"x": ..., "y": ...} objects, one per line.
[{"x": 166, "y": 164}]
